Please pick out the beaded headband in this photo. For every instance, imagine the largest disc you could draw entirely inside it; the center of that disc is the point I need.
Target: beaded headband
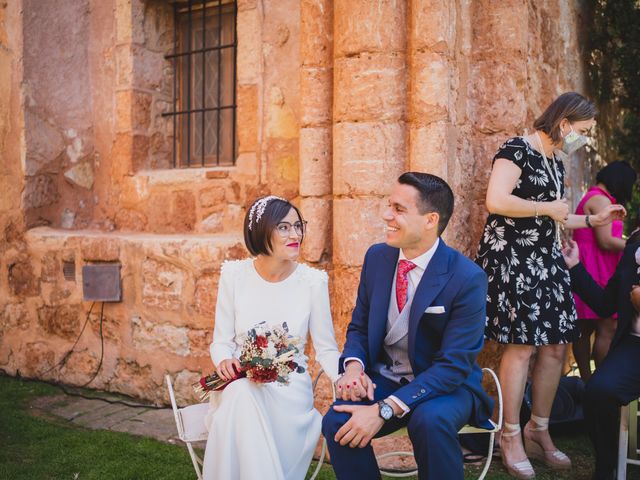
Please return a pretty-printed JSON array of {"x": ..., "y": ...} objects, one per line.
[{"x": 258, "y": 208}]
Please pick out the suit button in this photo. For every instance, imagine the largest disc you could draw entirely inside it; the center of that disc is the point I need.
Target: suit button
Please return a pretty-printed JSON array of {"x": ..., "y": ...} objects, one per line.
[
  {"x": 414, "y": 397},
  {"x": 423, "y": 391}
]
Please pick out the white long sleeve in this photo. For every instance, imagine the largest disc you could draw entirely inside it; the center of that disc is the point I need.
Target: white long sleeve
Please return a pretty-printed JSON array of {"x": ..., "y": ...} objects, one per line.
[
  {"x": 321, "y": 328},
  {"x": 223, "y": 345}
]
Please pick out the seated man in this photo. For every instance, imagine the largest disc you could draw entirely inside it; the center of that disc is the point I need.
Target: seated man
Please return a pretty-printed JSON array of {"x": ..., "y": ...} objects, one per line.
[
  {"x": 616, "y": 381},
  {"x": 415, "y": 332}
]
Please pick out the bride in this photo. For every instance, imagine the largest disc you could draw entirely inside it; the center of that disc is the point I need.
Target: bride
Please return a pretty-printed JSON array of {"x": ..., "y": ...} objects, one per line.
[{"x": 268, "y": 431}]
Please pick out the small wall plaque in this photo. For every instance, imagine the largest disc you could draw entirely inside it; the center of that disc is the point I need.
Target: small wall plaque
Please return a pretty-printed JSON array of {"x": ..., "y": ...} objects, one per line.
[{"x": 101, "y": 282}]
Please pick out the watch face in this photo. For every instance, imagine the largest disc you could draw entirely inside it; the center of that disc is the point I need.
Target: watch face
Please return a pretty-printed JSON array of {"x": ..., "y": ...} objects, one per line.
[{"x": 386, "y": 412}]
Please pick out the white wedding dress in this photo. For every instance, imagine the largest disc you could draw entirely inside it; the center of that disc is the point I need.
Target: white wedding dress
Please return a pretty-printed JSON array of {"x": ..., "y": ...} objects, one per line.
[{"x": 267, "y": 431}]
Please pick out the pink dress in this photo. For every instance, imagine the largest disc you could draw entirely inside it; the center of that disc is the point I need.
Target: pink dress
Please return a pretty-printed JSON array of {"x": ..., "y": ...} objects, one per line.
[{"x": 599, "y": 263}]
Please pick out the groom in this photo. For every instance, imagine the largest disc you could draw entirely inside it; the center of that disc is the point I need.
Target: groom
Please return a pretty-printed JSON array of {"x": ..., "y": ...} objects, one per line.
[{"x": 415, "y": 332}]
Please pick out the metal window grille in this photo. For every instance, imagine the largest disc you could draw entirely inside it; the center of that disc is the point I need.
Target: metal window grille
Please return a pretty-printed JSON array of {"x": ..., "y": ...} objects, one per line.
[{"x": 204, "y": 85}]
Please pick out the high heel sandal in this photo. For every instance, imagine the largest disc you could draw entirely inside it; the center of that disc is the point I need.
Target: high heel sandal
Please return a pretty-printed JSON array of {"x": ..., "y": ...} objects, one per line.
[
  {"x": 520, "y": 470},
  {"x": 552, "y": 458}
]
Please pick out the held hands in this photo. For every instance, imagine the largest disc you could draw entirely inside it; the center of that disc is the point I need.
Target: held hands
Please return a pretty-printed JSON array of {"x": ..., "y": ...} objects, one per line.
[
  {"x": 354, "y": 385},
  {"x": 635, "y": 297},
  {"x": 609, "y": 214},
  {"x": 228, "y": 369},
  {"x": 364, "y": 423},
  {"x": 571, "y": 254}
]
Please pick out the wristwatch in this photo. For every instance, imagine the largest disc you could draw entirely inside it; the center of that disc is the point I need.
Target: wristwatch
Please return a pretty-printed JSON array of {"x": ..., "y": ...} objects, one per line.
[{"x": 385, "y": 410}]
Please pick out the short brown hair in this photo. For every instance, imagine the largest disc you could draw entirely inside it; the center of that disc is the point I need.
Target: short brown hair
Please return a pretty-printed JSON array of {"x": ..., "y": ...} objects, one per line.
[
  {"x": 572, "y": 106},
  {"x": 258, "y": 232}
]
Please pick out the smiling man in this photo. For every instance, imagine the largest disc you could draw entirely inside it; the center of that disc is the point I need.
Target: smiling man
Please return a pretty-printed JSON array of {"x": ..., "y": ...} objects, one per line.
[{"x": 415, "y": 332}]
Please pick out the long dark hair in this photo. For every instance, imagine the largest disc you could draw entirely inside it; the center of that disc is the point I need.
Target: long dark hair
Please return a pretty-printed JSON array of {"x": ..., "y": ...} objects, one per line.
[{"x": 619, "y": 178}]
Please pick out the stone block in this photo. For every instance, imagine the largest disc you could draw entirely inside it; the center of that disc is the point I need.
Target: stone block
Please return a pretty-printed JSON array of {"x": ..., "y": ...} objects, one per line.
[
  {"x": 184, "y": 211},
  {"x": 14, "y": 316},
  {"x": 432, "y": 25},
  {"x": 247, "y": 4},
  {"x": 357, "y": 224},
  {"x": 210, "y": 197},
  {"x": 497, "y": 96},
  {"x": 62, "y": 321},
  {"x": 368, "y": 157},
  {"x": 360, "y": 26},
  {"x": 247, "y": 100},
  {"x": 199, "y": 341},
  {"x": 112, "y": 325},
  {"x": 281, "y": 119},
  {"x": 148, "y": 68},
  {"x": 370, "y": 87},
  {"x": 500, "y": 30},
  {"x": 204, "y": 299},
  {"x": 213, "y": 223},
  {"x": 315, "y": 161},
  {"x": 130, "y": 220},
  {"x": 316, "y": 246},
  {"x": 131, "y": 378},
  {"x": 100, "y": 249},
  {"x": 38, "y": 358},
  {"x": 22, "y": 280},
  {"x": 316, "y": 89},
  {"x": 249, "y": 46},
  {"x": 162, "y": 285},
  {"x": 156, "y": 337},
  {"x": 343, "y": 293},
  {"x": 50, "y": 268},
  {"x": 430, "y": 87},
  {"x": 133, "y": 110},
  {"x": 124, "y": 65},
  {"x": 316, "y": 32},
  {"x": 81, "y": 366},
  {"x": 40, "y": 191},
  {"x": 81, "y": 175},
  {"x": 429, "y": 149},
  {"x": 139, "y": 152},
  {"x": 43, "y": 142}
]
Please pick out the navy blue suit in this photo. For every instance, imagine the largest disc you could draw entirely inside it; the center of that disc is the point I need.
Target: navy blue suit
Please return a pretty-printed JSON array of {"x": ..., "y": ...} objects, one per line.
[
  {"x": 446, "y": 392},
  {"x": 617, "y": 380}
]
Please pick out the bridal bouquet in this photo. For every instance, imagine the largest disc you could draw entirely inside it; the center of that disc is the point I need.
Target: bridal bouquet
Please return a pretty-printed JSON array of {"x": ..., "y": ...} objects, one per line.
[{"x": 267, "y": 355}]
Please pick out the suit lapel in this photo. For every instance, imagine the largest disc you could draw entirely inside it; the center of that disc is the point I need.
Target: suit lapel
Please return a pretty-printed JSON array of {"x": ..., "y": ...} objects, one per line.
[{"x": 432, "y": 282}]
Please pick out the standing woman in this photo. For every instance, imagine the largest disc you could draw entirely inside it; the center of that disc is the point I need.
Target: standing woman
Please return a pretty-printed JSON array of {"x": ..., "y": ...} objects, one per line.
[
  {"x": 600, "y": 251},
  {"x": 529, "y": 302}
]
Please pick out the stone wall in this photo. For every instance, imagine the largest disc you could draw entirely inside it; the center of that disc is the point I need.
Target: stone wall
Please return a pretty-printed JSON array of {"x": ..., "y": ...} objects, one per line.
[{"x": 335, "y": 99}]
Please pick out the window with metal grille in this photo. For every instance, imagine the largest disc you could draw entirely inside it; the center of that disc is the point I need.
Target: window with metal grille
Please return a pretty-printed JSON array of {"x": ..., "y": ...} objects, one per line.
[{"x": 204, "y": 92}]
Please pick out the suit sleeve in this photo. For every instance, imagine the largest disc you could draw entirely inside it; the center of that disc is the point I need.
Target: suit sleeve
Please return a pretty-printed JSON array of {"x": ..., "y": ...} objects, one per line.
[
  {"x": 603, "y": 301},
  {"x": 462, "y": 341},
  {"x": 357, "y": 343}
]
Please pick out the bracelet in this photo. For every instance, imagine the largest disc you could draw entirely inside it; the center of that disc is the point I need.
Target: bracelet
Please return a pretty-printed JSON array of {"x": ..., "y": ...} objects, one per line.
[
  {"x": 586, "y": 220},
  {"x": 535, "y": 207}
]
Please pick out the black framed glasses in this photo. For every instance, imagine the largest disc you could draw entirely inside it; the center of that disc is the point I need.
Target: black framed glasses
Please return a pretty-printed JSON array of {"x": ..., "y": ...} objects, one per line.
[{"x": 284, "y": 228}]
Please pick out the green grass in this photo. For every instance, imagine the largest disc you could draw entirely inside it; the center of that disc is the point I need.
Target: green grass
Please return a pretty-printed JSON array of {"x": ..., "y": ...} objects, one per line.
[
  {"x": 33, "y": 448},
  {"x": 36, "y": 447}
]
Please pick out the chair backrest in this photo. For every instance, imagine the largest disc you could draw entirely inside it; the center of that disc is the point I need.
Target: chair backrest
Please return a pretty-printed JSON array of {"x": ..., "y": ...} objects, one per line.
[{"x": 189, "y": 420}]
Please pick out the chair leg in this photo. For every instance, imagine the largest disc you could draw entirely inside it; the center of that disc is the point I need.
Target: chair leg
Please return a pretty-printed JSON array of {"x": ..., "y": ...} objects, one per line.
[
  {"x": 487, "y": 463},
  {"x": 320, "y": 460},
  {"x": 194, "y": 460},
  {"x": 623, "y": 443}
]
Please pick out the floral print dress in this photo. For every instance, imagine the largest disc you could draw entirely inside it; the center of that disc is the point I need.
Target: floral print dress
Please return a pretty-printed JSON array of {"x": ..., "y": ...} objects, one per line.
[{"x": 529, "y": 299}]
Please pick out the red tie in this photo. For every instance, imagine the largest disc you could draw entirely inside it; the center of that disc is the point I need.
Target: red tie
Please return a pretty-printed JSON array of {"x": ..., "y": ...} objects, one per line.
[{"x": 402, "y": 283}]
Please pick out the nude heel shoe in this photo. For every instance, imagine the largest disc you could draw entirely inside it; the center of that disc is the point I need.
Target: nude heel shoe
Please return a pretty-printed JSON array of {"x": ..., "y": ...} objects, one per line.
[
  {"x": 520, "y": 470},
  {"x": 552, "y": 458}
]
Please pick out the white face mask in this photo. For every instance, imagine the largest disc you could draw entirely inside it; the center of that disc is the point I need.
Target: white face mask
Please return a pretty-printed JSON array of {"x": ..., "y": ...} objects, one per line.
[{"x": 572, "y": 141}]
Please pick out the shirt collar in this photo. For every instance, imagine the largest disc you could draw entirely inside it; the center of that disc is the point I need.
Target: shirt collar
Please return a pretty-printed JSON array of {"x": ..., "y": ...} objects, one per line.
[{"x": 422, "y": 261}]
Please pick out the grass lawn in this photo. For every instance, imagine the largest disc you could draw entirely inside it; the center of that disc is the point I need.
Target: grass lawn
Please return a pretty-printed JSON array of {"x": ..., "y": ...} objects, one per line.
[{"x": 34, "y": 447}]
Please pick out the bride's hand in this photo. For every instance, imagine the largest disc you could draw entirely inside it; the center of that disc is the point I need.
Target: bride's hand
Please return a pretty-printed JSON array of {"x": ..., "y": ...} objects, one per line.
[
  {"x": 354, "y": 385},
  {"x": 229, "y": 369}
]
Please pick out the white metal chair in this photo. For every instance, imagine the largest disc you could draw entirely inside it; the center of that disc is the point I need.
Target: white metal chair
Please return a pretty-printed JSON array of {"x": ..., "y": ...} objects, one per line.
[
  {"x": 628, "y": 441},
  {"x": 466, "y": 429},
  {"x": 190, "y": 425}
]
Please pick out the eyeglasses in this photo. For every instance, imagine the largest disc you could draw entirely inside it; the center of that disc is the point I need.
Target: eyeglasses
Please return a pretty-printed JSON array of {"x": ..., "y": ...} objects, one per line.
[{"x": 284, "y": 228}]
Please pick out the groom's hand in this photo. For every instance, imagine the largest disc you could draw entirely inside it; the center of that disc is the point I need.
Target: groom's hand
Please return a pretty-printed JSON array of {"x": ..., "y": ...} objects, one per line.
[
  {"x": 354, "y": 385},
  {"x": 364, "y": 423}
]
